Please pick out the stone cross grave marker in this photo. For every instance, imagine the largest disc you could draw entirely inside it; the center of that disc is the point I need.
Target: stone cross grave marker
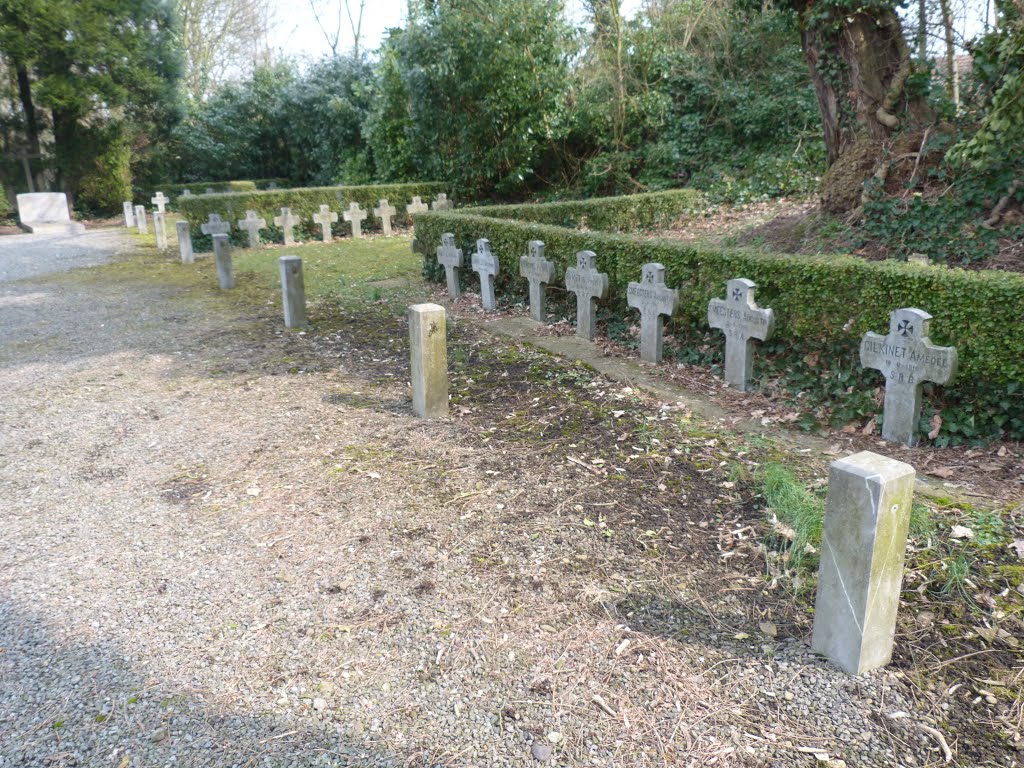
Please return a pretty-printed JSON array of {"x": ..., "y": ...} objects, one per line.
[
  {"x": 589, "y": 285},
  {"x": 222, "y": 255},
  {"x": 325, "y": 218},
  {"x": 486, "y": 265},
  {"x": 416, "y": 206},
  {"x": 862, "y": 549},
  {"x": 385, "y": 213},
  {"x": 653, "y": 299},
  {"x": 215, "y": 225},
  {"x": 450, "y": 257},
  {"x": 160, "y": 202},
  {"x": 185, "y": 242},
  {"x": 428, "y": 363},
  {"x": 537, "y": 270},
  {"x": 186, "y": 193},
  {"x": 160, "y": 229},
  {"x": 286, "y": 221},
  {"x": 293, "y": 291},
  {"x": 252, "y": 225},
  {"x": 742, "y": 321},
  {"x": 210, "y": 191},
  {"x": 907, "y": 359},
  {"x": 129, "y": 214},
  {"x": 355, "y": 216},
  {"x": 442, "y": 203},
  {"x": 140, "y": 219}
]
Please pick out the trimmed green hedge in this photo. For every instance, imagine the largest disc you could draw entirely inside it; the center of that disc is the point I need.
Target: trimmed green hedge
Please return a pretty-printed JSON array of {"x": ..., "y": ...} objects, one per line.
[
  {"x": 173, "y": 191},
  {"x": 304, "y": 202},
  {"x": 823, "y": 306}
]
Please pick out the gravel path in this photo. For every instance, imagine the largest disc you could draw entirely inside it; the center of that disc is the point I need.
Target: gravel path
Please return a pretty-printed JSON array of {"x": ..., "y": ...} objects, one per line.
[
  {"x": 25, "y": 256},
  {"x": 215, "y": 558}
]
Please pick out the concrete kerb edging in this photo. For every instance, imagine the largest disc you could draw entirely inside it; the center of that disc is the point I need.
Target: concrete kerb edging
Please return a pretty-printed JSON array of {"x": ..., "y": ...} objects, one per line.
[{"x": 630, "y": 373}]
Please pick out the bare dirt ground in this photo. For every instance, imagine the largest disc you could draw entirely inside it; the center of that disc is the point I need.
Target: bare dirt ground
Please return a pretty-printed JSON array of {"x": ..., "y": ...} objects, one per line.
[{"x": 226, "y": 544}]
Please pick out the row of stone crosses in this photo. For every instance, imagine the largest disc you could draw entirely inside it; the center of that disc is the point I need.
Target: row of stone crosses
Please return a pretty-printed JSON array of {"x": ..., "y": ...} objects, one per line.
[
  {"x": 906, "y": 356},
  {"x": 252, "y": 224}
]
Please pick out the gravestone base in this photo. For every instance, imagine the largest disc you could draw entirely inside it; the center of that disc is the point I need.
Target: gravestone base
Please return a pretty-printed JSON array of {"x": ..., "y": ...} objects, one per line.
[{"x": 55, "y": 228}]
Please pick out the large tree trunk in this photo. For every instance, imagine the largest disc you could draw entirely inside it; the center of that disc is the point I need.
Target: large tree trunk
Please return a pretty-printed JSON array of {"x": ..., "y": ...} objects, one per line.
[{"x": 859, "y": 64}]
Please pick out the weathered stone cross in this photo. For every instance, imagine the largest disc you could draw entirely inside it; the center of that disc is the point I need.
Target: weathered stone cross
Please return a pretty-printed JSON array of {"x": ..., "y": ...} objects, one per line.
[
  {"x": 416, "y": 206},
  {"x": 215, "y": 226},
  {"x": 186, "y": 193},
  {"x": 538, "y": 271},
  {"x": 907, "y": 359},
  {"x": 252, "y": 225},
  {"x": 442, "y": 203},
  {"x": 385, "y": 212},
  {"x": 654, "y": 300},
  {"x": 287, "y": 223},
  {"x": 742, "y": 320},
  {"x": 589, "y": 285},
  {"x": 486, "y": 265},
  {"x": 450, "y": 258},
  {"x": 325, "y": 218},
  {"x": 160, "y": 201},
  {"x": 355, "y": 216}
]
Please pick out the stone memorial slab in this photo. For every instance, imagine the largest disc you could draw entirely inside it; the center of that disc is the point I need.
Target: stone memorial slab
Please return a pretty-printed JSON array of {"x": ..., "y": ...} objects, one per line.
[
  {"x": 487, "y": 266},
  {"x": 385, "y": 213},
  {"x": 185, "y": 242},
  {"x": 441, "y": 203},
  {"x": 286, "y": 221},
  {"x": 907, "y": 359},
  {"x": 428, "y": 343},
  {"x": 325, "y": 218},
  {"x": 355, "y": 216},
  {"x": 129, "y": 214},
  {"x": 160, "y": 202},
  {"x": 47, "y": 213},
  {"x": 140, "y": 219},
  {"x": 293, "y": 291},
  {"x": 862, "y": 549},
  {"x": 450, "y": 257},
  {"x": 654, "y": 300},
  {"x": 252, "y": 224},
  {"x": 416, "y": 206},
  {"x": 589, "y": 285},
  {"x": 222, "y": 255},
  {"x": 160, "y": 229},
  {"x": 215, "y": 225},
  {"x": 742, "y": 321},
  {"x": 538, "y": 271}
]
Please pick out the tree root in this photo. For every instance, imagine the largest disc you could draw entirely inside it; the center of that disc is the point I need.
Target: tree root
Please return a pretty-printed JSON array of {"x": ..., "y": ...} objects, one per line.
[{"x": 997, "y": 213}]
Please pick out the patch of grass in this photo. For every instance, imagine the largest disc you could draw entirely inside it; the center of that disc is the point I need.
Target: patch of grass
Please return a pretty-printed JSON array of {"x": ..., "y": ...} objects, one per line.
[{"x": 798, "y": 511}]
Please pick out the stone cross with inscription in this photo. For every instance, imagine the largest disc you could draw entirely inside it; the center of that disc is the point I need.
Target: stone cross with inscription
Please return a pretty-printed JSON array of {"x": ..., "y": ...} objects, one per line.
[
  {"x": 450, "y": 257},
  {"x": 486, "y": 265},
  {"x": 286, "y": 221},
  {"x": 907, "y": 359},
  {"x": 160, "y": 201},
  {"x": 416, "y": 206},
  {"x": 355, "y": 216},
  {"x": 215, "y": 225},
  {"x": 653, "y": 299},
  {"x": 589, "y": 285},
  {"x": 325, "y": 218},
  {"x": 385, "y": 213},
  {"x": 742, "y": 320},
  {"x": 538, "y": 271},
  {"x": 252, "y": 225},
  {"x": 442, "y": 203}
]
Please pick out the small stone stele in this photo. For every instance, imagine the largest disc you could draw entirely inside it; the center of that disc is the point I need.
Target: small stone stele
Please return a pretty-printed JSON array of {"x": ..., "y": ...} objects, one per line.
[
  {"x": 742, "y": 321},
  {"x": 222, "y": 255},
  {"x": 862, "y": 550},
  {"x": 589, "y": 285},
  {"x": 160, "y": 229},
  {"x": 486, "y": 265},
  {"x": 450, "y": 257},
  {"x": 428, "y": 360},
  {"x": 140, "y": 219},
  {"x": 538, "y": 272},
  {"x": 185, "y": 242},
  {"x": 907, "y": 359},
  {"x": 129, "y": 214},
  {"x": 654, "y": 300},
  {"x": 293, "y": 291}
]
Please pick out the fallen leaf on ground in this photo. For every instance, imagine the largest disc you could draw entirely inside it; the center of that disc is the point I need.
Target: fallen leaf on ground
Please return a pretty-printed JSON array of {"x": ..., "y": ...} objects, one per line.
[
  {"x": 943, "y": 472},
  {"x": 869, "y": 428}
]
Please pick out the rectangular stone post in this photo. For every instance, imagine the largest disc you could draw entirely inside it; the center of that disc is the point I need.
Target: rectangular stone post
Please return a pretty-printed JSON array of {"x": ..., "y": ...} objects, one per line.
[
  {"x": 428, "y": 341},
  {"x": 293, "y": 291},
  {"x": 185, "y": 242},
  {"x": 129, "y": 214},
  {"x": 140, "y": 220},
  {"x": 865, "y": 537},
  {"x": 160, "y": 229},
  {"x": 225, "y": 270}
]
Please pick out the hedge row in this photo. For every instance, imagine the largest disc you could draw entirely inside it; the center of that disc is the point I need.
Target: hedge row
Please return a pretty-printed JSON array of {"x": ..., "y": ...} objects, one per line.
[
  {"x": 823, "y": 304},
  {"x": 173, "y": 191},
  {"x": 304, "y": 202}
]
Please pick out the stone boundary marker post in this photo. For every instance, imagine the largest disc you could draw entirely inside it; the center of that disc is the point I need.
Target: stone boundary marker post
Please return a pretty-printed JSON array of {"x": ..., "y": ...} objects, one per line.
[
  {"x": 140, "y": 219},
  {"x": 225, "y": 270},
  {"x": 129, "y": 214},
  {"x": 185, "y": 242},
  {"x": 907, "y": 358},
  {"x": 653, "y": 299},
  {"x": 428, "y": 343},
  {"x": 742, "y": 320},
  {"x": 589, "y": 285},
  {"x": 538, "y": 271},
  {"x": 862, "y": 548},
  {"x": 450, "y": 257},
  {"x": 160, "y": 229},
  {"x": 486, "y": 265},
  {"x": 293, "y": 291}
]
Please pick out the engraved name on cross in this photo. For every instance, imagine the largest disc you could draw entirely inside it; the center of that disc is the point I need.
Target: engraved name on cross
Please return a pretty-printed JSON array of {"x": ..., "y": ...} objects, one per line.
[
  {"x": 450, "y": 257},
  {"x": 742, "y": 321},
  {"x": 589, "y": 285},
  {"x": 653, "y": 299},
  {"x": 486, "y": 265}
]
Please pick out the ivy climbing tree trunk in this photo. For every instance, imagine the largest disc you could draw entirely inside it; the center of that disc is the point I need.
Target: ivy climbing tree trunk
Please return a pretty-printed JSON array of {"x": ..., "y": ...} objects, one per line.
[{"x": 859, "y": 62}]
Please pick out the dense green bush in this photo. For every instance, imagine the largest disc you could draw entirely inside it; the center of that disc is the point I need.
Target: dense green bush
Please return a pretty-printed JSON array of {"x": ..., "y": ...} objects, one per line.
[
  {"x": 823, "y": 304},
  {"x": 173, "y": 191}
]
